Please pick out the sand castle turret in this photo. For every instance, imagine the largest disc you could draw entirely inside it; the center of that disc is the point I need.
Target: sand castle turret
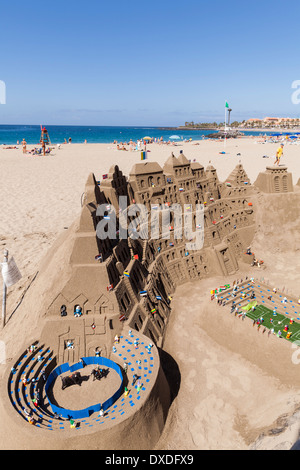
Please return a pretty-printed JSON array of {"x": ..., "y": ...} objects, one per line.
[
  {"x": 276, "y": 179},
  {"x": 238, "y": 176}
]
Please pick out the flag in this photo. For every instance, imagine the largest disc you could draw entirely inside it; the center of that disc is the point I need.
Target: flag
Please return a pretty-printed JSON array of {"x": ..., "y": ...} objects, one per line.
[
  {"x": 110, "y": 287},
  {"x": 135, "y": 257},
  {"x": 10, "y": 272},
  {"x": 122, "y": 317},
  {"x": 143, "y": 293},
  {"x": 143, "y": 155},
  {"x": 126, "y": 273},
  {"x": 153, "y": 311},
  {"x": 158, "y": 297},
  {"x": 105, "y": 176},
  {"x": 226, "y": 104}
]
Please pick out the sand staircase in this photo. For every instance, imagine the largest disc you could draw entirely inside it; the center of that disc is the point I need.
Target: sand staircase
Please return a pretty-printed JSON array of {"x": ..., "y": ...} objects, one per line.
[
  {"x": 141, "y": 361},
  {"x": 31, "y": 365}
]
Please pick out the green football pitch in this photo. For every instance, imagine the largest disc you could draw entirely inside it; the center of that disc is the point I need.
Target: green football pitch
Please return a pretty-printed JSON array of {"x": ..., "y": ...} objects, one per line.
[{"x": 278, "y": 322}]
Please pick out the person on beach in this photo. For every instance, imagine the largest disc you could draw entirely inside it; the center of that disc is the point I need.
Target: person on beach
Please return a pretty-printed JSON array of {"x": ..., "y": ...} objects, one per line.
[
  {"x": 279, "y": 154},
  {"x": 24, "y": 143}
]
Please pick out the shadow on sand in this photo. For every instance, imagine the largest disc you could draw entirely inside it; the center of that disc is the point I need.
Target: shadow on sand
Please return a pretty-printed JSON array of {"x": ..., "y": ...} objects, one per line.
[{"x": 171, "y": 371}]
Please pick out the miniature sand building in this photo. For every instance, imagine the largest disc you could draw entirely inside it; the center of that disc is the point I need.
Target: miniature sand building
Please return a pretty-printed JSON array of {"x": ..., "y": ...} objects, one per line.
[{"x": 276, "y": 179}]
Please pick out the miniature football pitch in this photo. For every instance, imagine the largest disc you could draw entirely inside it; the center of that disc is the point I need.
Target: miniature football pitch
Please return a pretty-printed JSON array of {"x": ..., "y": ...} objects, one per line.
[{"x": 277, "y": 322}]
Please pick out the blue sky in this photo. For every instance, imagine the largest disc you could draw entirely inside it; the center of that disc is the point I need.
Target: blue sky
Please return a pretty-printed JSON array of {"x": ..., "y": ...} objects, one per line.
[{"x": 147, "y": 63}]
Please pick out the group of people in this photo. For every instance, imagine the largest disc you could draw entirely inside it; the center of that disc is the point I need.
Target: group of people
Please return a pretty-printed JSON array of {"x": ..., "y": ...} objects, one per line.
[
  {"x": 36, "y": 150},
  {"x": 36, "y": 399},
  {"x": 141, "y": 144},
  {"x": 259, "y": 322}
]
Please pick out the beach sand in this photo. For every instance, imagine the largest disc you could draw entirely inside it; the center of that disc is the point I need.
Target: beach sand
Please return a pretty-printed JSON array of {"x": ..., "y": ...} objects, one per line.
[{"x": 227, "y": 396}]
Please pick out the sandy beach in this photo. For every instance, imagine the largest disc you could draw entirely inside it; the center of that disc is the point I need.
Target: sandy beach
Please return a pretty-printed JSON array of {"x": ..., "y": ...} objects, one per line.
[{"x": 228, "y": 397}]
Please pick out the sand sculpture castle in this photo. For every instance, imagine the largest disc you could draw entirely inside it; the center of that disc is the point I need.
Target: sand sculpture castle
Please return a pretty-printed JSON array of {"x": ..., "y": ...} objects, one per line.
[{"x": 123, "y": 288}]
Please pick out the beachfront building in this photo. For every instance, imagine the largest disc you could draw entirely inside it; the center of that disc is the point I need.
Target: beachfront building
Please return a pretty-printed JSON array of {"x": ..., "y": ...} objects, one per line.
[{"x": 272, "y": 123}]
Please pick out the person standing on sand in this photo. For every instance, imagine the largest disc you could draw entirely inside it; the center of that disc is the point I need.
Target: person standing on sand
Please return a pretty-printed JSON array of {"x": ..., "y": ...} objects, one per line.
[
  {"x": 279, "y": 154},
  {"x": 24, "y": 143}
]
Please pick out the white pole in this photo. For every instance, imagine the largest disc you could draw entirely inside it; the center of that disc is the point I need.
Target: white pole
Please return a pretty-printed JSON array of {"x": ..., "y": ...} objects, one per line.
[
  {"x": 4, "y": 293},
  {"x": 225, "y": 128}
]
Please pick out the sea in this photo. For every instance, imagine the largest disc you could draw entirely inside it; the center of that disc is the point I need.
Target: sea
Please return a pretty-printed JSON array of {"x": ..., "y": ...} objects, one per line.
[{"x": 12, "y": 134}]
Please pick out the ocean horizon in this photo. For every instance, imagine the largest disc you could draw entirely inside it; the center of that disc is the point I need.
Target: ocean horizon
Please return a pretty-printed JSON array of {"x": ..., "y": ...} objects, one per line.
[{"x": 14, "y": 133}]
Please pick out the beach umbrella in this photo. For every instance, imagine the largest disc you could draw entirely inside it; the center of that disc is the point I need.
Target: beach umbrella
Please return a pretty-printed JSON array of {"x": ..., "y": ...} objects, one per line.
[
  {"x": 174, "y": 137},
  {"x": 147, "y": 138}
]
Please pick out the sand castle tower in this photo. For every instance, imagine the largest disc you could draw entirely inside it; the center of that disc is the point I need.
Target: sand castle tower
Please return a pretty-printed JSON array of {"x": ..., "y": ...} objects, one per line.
[
  {"x": 238, "y": 176},
  {"x": 213, "y": 181},
  {"x": 276, "y": 179}
]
